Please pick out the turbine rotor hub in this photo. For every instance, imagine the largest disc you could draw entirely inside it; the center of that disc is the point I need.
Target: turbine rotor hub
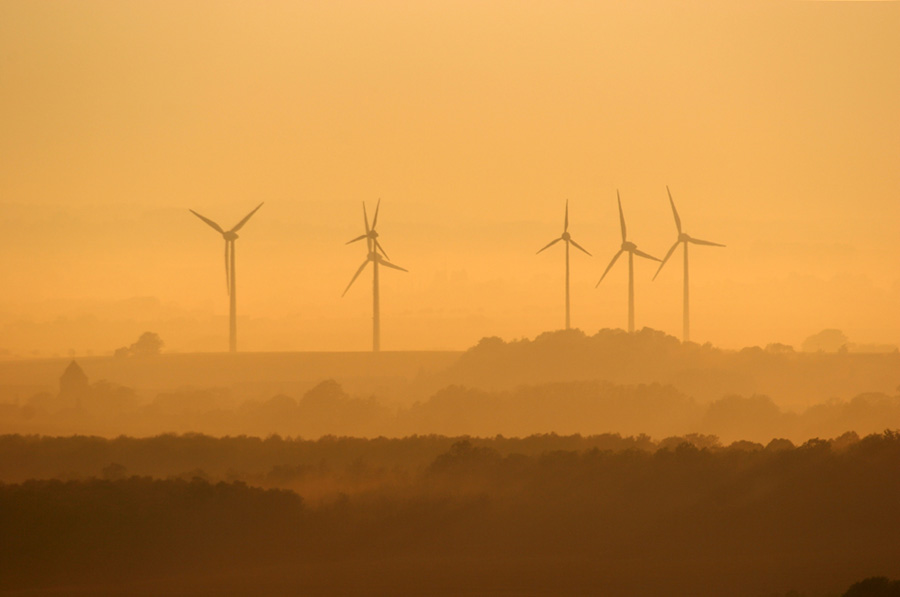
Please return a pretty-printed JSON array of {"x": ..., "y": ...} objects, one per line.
[
  {"x": 230, "y": 235},
  {"x": 373, "y": 256},
  {"x": 566, "y": 236},
  {"x": 628, "y": 246},
  {"x": 683, "y": 237}
]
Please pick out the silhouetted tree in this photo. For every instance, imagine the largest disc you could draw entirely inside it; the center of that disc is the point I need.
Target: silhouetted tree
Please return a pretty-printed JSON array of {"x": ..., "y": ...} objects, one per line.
[
  {"x": 876, "y": 586},
  {"x": 829, "y": 340},
  {"x": 148, "y": 344}
]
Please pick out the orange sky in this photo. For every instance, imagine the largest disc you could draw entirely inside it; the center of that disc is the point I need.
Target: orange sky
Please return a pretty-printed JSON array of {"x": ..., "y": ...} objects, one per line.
[{"x": 776, "y": 125}]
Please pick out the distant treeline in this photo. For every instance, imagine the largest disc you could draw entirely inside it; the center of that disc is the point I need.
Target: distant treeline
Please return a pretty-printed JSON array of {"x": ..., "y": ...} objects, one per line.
[
  {"x": 586, "y": 407},
  {"x": 480, "y": 516},
  {"x": 703, "y": 372},
  {"x": 278, "y": 461}
]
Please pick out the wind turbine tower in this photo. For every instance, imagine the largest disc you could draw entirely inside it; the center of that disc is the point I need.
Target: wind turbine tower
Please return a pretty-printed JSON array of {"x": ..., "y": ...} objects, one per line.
[
  {"x": 632, "y": 250},
  {"x": 569, "y": 241},
  {"x": 230, "y": 278},
  {"x": 373, "y": 255},
  {"x": 686, "y": 240}
]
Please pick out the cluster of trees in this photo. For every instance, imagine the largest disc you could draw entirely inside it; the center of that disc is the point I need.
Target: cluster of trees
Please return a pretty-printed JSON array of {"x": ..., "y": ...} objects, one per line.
[
  {"x": 649, "y": 356},
  {"x": 149, "y": 344},
  {"x": 263, "y": 461},
  {"x": 682, "y": 519},
  {"x": 587, "y": 407},
  {"x": 564, "y": 382}
]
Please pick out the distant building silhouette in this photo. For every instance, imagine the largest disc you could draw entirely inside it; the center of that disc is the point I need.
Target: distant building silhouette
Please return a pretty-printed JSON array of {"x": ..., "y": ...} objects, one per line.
[{"x": 73, "y": 386}]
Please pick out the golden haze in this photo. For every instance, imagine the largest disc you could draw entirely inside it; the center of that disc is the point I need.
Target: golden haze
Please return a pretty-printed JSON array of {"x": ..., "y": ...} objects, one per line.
[{"x": 774, "y": 123}]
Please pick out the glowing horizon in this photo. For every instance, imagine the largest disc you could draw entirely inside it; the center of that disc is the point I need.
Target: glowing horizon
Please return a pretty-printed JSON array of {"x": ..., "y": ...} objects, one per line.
[{"x": 774, "y": 124}]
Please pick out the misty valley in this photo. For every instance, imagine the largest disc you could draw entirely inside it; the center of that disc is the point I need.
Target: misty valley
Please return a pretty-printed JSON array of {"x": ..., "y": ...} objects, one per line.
[
  {"x": 607, "y": 464},
  {"x": 625, "y": 322}
]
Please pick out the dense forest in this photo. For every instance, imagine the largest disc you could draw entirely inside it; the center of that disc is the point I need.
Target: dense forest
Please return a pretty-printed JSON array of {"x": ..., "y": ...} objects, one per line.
[{"x": 551, "y": 514}]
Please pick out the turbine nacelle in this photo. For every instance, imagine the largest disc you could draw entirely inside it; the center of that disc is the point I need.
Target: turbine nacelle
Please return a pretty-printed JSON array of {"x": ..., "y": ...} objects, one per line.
[
  {"x": 230, "y": 236},
  {"x": 565, "y": 237},
  {"x": 626, "y": 247},
  {"x": 374, "y": 251},
  {"x": 370, "y": 235},
  {"x": 683, "y": 237}
]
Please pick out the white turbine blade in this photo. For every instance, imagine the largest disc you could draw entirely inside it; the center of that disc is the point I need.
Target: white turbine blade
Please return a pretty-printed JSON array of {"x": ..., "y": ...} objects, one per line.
[
  {"x": 577, "y": 246},
  {"x": 553, "y": 242},
  {"x": 355, "y": 276},
  {"x": 208, "y": 221},
  {"x": 380, "y": 248},
  {"x": 360, "y": 237},
  {"x": 697, "y": 241},
  {"x": 674, "y": 211},
  {"x": 644, "y": 255},
  {"x": 609, "y": 267},
  {"x": 566, "y": 225},
  {"x": 375, "y": 218},
  {"x": 621, "y": 215},
  {"x": 666, "y": 258},
  {"x": 391, "y": 265},
  {"x": 240, "y": 224}
]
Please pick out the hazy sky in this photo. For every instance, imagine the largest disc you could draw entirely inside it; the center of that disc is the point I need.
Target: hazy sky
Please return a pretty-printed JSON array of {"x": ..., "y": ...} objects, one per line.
[{"x": 776, "y": 124}]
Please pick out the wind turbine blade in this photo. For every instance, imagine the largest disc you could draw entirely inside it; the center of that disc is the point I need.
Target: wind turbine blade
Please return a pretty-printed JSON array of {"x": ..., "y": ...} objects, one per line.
[
  {"x": 609, "y": 267},
  {"x": 644, "y": 255},
  {"x": 621, "y": 215},
  {"x": 355, "y": 276},
  {"x": 208, "y": 221},
  {"x": 391, "y": 265},
  {"x": 553, "y": 242},
  {"x": 375, "y": 219},
  {"x": 360, "y": 237},
  {"x": 240, "y": 224},
  {"x": 577, "y": 246},
  {"x": 666, "y": 258},
  {"x": 380, "y": 248},
  {"x": 674, "y": 211},
  {"x": 366, "y": 218},
  {"x": 697, "y": 241},
  {"x": 566, "y": 225}
]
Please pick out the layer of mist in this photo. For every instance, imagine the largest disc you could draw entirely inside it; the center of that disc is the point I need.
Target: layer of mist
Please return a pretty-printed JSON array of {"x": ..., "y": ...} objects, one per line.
[{"x": 561, "y": 382}]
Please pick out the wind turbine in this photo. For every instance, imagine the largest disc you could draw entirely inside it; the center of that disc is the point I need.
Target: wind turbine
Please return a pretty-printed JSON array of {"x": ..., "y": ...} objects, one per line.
[
  {"x": 632, "y": 250},
  {"x": 230, "y": 279},
  {"x": 568, "y": 239},
  {"x": 374, "y": 255},
  {"x": 683, "y": 238}
]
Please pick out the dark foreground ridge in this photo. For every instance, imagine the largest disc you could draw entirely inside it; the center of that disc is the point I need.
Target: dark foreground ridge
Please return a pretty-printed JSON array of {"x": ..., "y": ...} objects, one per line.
[{"x": 673, "y": 520}]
